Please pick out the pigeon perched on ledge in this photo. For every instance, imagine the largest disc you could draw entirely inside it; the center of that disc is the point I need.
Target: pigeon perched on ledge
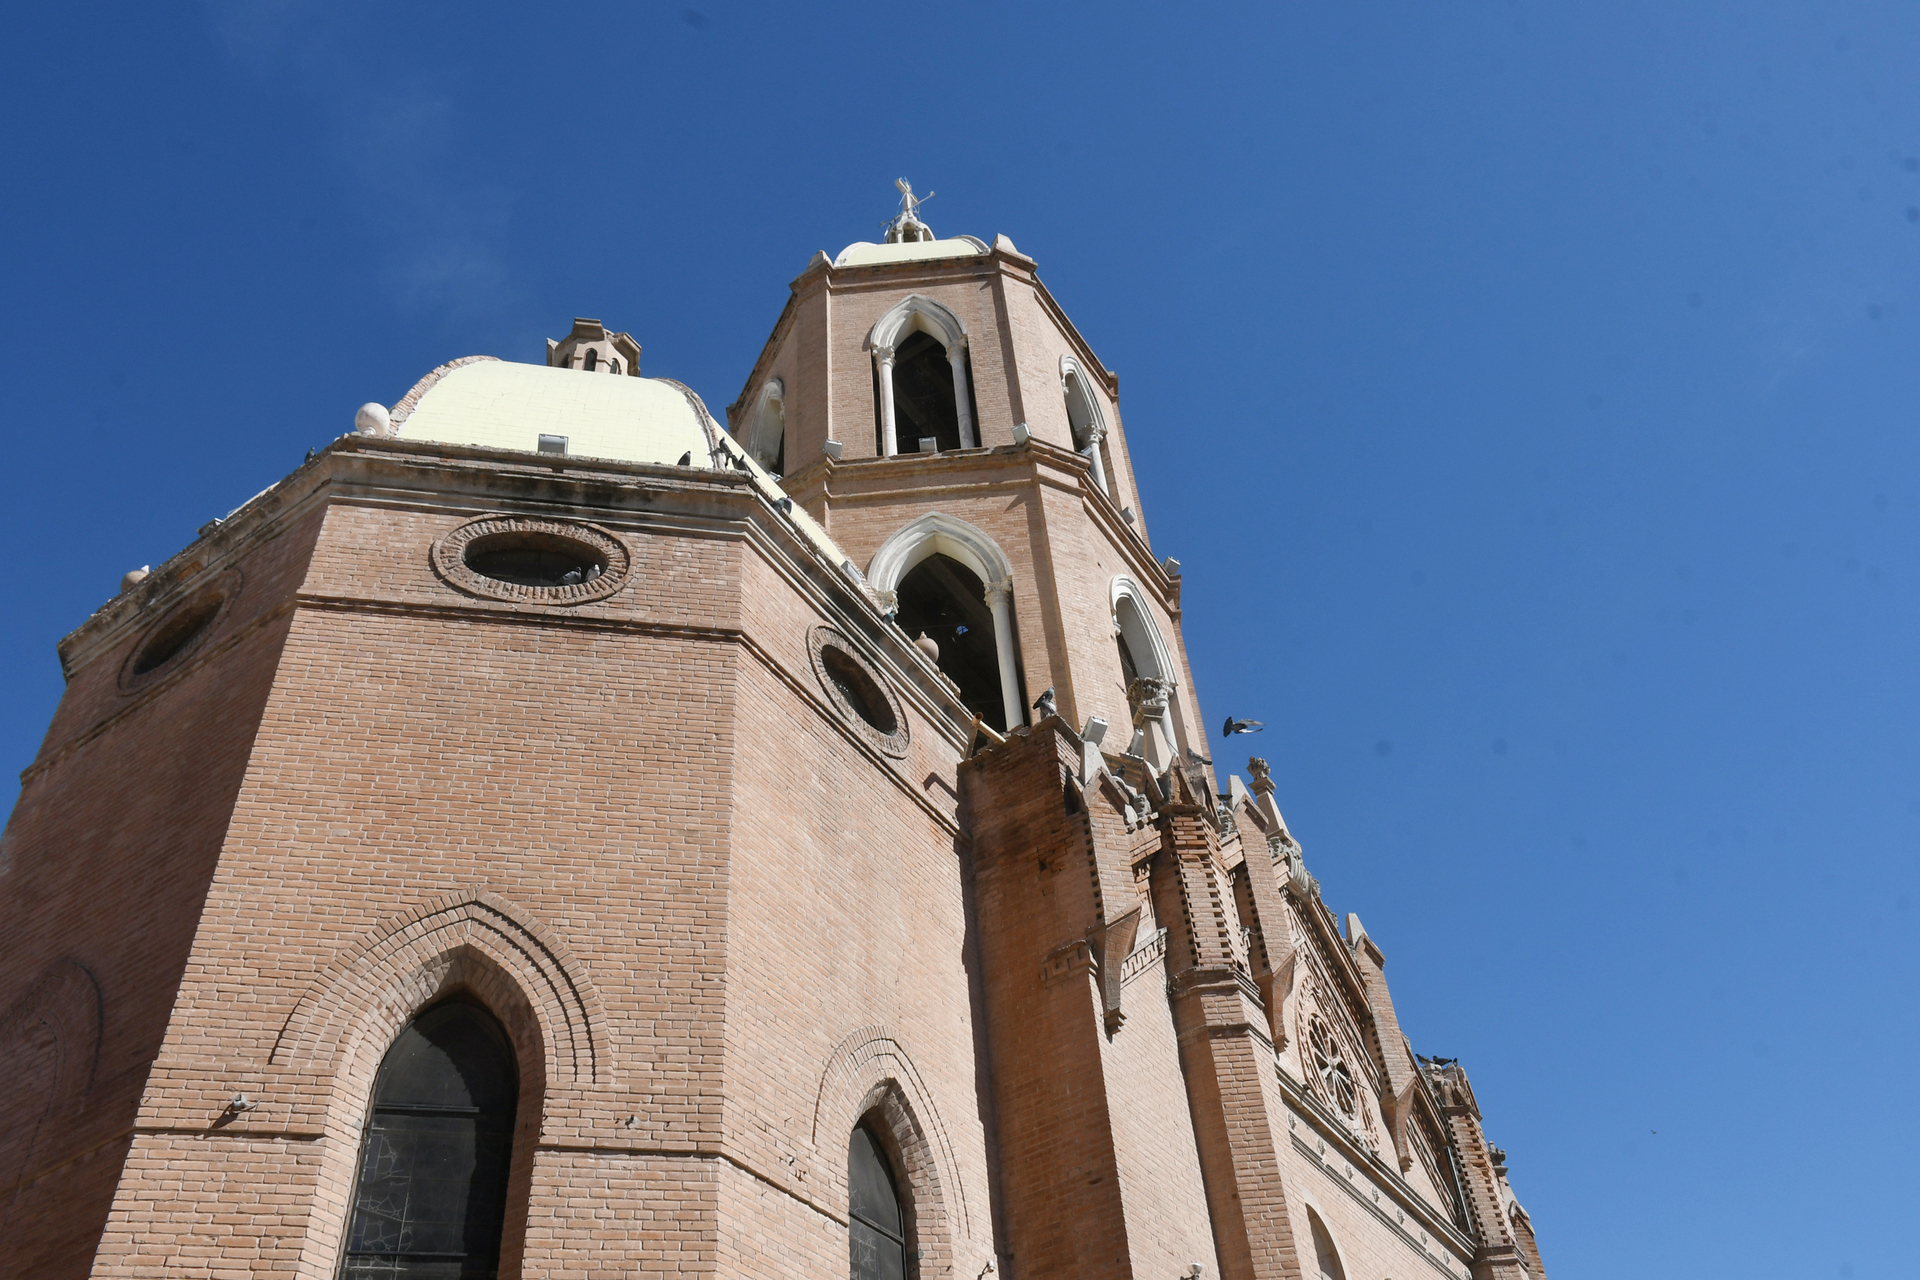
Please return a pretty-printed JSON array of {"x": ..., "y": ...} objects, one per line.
[{"x": 1044, "y": 704}]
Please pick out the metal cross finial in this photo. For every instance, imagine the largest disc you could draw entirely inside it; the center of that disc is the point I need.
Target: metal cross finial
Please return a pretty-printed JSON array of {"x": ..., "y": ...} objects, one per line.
[
  {"x": 906, "y": 225},
  {"x": 910, "y": 203}
]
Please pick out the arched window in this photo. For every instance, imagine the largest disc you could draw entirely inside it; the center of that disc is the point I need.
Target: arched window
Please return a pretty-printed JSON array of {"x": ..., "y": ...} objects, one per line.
[
  {"x": 915, "y": 398},
  {"x": 1084, "y": 417},
  {"x": 974, "y": 571},
  {"x": 592, "y": 361},
  {"x": 1326, "y": 1257},
  {"x": 430, "y": 1200},
  {"x": 1156, "y": 713},
  {"x": 876, "y": 1229},
  {"x": 947, "y": 601},
  {"x": 923, "y": 400},
  {"x": 767, "y": 433}
]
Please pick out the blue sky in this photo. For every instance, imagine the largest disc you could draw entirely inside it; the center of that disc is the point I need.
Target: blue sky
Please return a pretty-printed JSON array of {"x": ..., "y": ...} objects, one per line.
[{"x": 1529, "y": 392}]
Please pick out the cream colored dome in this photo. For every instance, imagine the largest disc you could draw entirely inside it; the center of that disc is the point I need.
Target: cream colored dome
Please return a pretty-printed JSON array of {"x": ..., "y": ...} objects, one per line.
[{"x": 498, "y": 404}]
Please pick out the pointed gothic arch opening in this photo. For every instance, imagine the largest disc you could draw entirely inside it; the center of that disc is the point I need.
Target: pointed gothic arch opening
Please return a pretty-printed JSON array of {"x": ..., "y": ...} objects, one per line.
[
  {"x": 944, "y": 600},
  {"x": 969, "y": 571},
  {"x": 1084, "y": 416},
  {"x": 915, "y": 397},
  {"x": 1145, "y": 659},
  {"x": 430, "y": 1188},
  {"x": 767, "y": 432}
]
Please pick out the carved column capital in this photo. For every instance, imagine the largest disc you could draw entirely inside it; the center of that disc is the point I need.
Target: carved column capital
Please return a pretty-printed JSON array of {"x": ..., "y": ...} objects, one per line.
[
  {"x": 883, "y": 356},
  {"x": 1000, "y": 592}
]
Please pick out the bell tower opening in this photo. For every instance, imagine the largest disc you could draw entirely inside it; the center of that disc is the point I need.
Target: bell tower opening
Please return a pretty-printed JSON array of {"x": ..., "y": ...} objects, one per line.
[
  {"x": 946, "y": 600},
  {"x": 923, "y": 401}
]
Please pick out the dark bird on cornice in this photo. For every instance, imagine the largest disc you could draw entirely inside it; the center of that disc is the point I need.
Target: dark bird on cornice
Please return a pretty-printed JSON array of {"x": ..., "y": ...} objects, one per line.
[{"x": 1044, "y": 704}]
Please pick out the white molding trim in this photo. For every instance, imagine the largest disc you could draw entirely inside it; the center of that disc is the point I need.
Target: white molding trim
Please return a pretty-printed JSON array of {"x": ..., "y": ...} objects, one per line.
[
  {"x": 1070, "y": 368},
  {"x": 1125, "y": 588},
  {"x": 916, "y": 312},
  {"x": 763, "y": 442},
  {"x": 943, "y": 534}
]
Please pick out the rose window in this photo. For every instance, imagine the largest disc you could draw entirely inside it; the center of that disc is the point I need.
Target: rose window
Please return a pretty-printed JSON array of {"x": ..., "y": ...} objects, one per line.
[{"x": 1331, "y": 1065}]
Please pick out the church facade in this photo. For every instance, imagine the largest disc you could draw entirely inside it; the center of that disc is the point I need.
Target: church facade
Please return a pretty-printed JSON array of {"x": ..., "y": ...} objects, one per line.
[{"x": 553, "y": 833}]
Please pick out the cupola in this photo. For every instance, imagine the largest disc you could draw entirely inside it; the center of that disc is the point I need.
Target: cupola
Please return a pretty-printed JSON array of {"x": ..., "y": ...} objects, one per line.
[{"x": 592, "y": 349}]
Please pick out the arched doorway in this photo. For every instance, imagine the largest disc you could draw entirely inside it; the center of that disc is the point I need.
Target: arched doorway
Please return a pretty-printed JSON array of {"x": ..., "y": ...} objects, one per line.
[
  {"x": 876, "y": 1228},
  {"x": 430, "y": 1195},
  {"x": 946, "y": 601}
]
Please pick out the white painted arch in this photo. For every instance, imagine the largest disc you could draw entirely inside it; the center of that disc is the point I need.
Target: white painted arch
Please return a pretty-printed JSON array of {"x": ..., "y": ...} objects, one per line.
[
  {"x": 940, "y": 534},
  {"x": 1133, "y": 619},
  {"x": 1085, "y": 417},
  {"x": 768, "y": 424},
  {"x": 917, "y": 313}
]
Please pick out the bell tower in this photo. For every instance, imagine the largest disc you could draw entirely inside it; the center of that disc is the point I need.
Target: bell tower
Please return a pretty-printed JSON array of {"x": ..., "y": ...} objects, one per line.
[{"x": 929, "y": 402}]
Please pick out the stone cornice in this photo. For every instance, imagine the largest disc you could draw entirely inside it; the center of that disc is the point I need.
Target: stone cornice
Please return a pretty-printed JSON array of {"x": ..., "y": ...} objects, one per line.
[{"x": 469, "y": 479}]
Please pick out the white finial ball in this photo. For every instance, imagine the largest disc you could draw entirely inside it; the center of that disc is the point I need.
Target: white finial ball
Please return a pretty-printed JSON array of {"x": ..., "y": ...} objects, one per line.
[{"x": 372, "y": 420}]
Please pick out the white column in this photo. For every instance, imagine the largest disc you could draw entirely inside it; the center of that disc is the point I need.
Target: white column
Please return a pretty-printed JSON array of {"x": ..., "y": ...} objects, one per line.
[
  {"x": 883, "y": 358},
  {"x": 1094, "y": 434},
  {"x": 962, "y": 404},
  {"x": 1000, "y": 600}
]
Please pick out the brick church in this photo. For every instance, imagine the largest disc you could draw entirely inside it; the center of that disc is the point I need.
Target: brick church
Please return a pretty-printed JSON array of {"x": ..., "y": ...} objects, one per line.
[{"x": 553, "y": 833}]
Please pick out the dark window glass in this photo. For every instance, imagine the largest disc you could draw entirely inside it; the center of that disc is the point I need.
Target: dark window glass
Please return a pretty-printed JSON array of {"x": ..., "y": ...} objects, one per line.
[
  {"x": 923, "y": 396},
  {"x": 876, "y": 1233},
  {"x": 178, "y": 632},
  {"x": 431, "y": 1196},
  {"x": 947, "y": 600},
  {"x": 592, "y": 361},
  {"x": 857, "y": 687}
]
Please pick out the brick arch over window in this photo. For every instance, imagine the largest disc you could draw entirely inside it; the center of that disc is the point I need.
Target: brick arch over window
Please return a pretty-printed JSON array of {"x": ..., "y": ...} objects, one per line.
[
  {"x": 869, "y": 1076},
  {"x": 468, "y": 943},
  {"x": 917, "y": 313},
  {"x": 376, "y": 985}
]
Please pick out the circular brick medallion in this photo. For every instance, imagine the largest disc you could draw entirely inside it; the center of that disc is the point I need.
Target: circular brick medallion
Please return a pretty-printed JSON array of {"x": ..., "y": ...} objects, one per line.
[
  {"x": 530, "y": 561},
  {"x": 858, "y": 692},
  {"x": 166, "y": 645}
]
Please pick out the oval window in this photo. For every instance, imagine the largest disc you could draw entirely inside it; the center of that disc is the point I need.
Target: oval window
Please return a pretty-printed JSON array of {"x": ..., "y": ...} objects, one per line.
[
  {"x": 531, "y": 558},
  {"x": 853, "y": 683},
  {"x": 174, "y": 635}
]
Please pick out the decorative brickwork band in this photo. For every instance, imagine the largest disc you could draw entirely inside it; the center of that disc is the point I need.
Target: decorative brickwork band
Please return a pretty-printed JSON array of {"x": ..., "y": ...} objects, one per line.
[
  {"x": 450, "y": 560},
  {"x": 867, "y": 1066},
  {"x": 857, "y": 690}
]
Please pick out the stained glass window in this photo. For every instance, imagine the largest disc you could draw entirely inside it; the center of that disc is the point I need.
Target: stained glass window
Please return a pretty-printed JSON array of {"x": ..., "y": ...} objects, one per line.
[{"x": 431, "y": 1195}]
